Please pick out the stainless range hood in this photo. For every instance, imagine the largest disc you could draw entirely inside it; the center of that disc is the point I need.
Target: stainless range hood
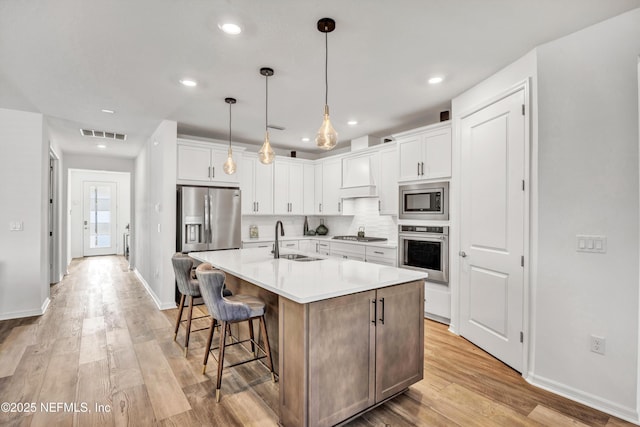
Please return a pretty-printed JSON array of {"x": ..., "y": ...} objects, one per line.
[{"x": 358, "y": 180}]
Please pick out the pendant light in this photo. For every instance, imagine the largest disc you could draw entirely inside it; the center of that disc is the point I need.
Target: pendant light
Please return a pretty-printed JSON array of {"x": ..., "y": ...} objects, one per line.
[
  {"x": 327, "y": 137},
  {"x": 229, "y": 166},
  {"x": 266, "y": 154}
]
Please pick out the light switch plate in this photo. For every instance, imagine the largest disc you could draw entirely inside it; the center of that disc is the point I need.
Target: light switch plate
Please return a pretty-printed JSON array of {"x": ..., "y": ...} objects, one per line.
[
  {"x": 16, "y": 226},
  {"x": 591, "y": 243}
]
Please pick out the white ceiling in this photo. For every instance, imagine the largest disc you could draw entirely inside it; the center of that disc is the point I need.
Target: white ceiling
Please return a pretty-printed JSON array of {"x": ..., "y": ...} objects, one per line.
[{"x": 68, "y": 59}]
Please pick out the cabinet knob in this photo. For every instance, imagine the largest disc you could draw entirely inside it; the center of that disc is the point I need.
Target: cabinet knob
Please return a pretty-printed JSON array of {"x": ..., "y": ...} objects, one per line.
[{"x": 463, "y": 254}]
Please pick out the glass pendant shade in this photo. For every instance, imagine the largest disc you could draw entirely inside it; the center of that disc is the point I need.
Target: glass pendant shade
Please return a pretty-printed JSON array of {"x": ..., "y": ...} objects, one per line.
[
  {"x": 229, "y": 166},
  {"x": 327, "y": 137},
  {"x": 266, "y": 154}
]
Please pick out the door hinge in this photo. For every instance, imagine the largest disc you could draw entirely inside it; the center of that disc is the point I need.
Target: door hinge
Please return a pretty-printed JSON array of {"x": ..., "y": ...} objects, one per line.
[
  {"x": 521, "y": 336},
  {"x": 523, "y": 109},
  {"x": 522, "y": 261}
]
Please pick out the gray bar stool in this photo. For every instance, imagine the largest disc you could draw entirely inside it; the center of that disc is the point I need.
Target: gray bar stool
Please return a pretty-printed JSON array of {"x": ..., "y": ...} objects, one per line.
[
  {"x": 188, "y": 287},
  {"x": 228, "y": 310}
]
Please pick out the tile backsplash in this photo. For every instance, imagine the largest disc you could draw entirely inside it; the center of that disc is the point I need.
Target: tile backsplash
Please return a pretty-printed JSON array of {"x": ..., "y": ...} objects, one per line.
[{"x": 365, "y": 214}]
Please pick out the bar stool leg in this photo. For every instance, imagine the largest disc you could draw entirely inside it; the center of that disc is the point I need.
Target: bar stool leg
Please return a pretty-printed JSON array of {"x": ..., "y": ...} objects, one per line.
[
  {"x": 267, "y": 347},
  {"x": 179, "y": 316},
  {"x": 223, "y": 341},
  {"x": 189, "y": 316},
  {"x": 253, "y": 346},
  {"x": 208, "y": 347}
]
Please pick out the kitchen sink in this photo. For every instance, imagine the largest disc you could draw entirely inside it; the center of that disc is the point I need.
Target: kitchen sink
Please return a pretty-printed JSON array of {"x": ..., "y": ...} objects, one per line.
[{"x": 299, "y": 257}]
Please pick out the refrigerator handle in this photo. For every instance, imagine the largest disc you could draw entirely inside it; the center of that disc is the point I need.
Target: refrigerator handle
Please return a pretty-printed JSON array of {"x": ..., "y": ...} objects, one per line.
[{"x": 206, "y": 218}]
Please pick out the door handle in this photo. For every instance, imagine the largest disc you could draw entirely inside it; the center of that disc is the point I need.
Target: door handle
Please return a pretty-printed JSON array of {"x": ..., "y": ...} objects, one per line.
[
  {"x": 382, "y": 311},
  {"x": 463, "y": 254},
  {"x": 257, "y": 206},
  {"x": 418, "y": 168},
  {"x": 422, "y": 164}
]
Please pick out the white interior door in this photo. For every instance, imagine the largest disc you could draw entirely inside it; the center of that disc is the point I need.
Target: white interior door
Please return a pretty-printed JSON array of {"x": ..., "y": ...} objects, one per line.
[
  {"x": 492, "y": 228},
  {"x": 99, "y": 218}
]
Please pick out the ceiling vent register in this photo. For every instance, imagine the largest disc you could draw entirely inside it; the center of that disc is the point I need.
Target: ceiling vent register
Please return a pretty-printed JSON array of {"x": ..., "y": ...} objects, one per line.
[{"x": 103, "y": 134}]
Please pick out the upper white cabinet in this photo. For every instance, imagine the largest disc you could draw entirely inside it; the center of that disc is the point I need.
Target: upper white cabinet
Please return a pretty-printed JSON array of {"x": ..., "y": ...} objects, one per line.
[
  {"x": 201, "y": 162},
  {"x": 317, "y": 188},
  {"x": 308, "y": 192},
  {"x": 331, "y": 180},
  {"x": 288, "y": 187},
  {"x": 388, "y": 182},
  {"x": 425, "y": 153},
  {"x": 256, "y": 185}
]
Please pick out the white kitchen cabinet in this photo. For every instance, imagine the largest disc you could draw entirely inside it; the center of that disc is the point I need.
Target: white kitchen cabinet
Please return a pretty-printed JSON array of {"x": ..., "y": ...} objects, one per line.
[
  {"x": 263, "y": 244},
  {"x": 308, "y": 192},
  {"x": 388, "y": 182},
  {"x": 202, "y": 163},
  {"x": 331, "y": 181},
  {"x": 437, "y": 302},
  {"x": 317, "y": 188},
  {"x": 425, "y": 153},
  {"x": 347, "y": 251},
  {"x": 361, "y": 169},
  {"x": 256, "y": 185},
  {"x": 381, "y": 255},
  {"x": 323, "y": 248},
  {"x": 288, "y": 187},
  {"x": 289, "y": 244}
]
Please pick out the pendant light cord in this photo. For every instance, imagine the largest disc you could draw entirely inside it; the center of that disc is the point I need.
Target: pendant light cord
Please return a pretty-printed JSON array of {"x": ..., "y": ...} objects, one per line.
[
  {"x": 326, "y": 68},
  {"x": 229, "y": 125},
  {"x": 266, "y": 103}
]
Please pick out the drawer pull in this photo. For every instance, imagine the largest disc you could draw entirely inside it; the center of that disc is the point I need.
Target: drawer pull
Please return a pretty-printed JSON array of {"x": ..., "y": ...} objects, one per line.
[{"x": 378, "y": 252}]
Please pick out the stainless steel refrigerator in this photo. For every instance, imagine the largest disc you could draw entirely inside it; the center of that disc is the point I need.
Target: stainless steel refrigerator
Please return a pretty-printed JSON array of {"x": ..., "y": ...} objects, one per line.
[{"x": 208, "y": 219}]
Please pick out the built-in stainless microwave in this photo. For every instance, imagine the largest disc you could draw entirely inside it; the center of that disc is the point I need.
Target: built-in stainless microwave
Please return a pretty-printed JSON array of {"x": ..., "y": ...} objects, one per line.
[{"x": 424, "y": 201}]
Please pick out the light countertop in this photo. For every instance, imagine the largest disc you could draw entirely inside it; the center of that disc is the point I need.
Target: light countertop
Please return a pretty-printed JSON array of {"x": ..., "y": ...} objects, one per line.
[
  {"x": 310, "y": 281},
  {"x": 381, "y": 244}
]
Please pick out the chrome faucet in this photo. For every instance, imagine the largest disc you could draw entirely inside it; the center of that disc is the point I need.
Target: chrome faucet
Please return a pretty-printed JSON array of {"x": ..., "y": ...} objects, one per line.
[{"x": 276, "y": 246}]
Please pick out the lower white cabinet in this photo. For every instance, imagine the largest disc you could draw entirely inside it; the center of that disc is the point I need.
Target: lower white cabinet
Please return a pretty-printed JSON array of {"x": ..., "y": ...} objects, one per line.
[
  {"x": 307, "y": 245},
  {"x": 381, "y": 255},
  {"x": 437, "y": 301},
  {"x": 347, "y": 251},
  {"x": 289, "y": 244},
  {"x": 323, "y": 248},
  {"x": 265, "y": 244}
]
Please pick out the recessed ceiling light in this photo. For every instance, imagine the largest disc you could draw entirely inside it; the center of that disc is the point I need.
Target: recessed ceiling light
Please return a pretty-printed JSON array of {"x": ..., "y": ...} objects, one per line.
[
  {"x": 104, "y": 110},
  {"x": 352, "y": 122},
  {"x": 435, "y": 80},
  {"x": 229, "y": 28},
  {"x": 189, "y": 82},
  {"x": 305, "y": 139},
  {"x": 101, "y": 146}
]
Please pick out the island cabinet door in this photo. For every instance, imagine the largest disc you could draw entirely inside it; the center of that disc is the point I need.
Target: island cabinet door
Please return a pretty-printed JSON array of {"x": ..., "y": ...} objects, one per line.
[
  {"x": 341, "y": 358},
  {"x": 399, "y": 338}
]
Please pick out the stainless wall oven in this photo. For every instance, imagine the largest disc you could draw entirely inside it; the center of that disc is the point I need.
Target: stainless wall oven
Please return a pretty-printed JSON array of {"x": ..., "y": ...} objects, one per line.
[
  {"x": 424, "y": 201},
  {"x": 425, "y": 248}
]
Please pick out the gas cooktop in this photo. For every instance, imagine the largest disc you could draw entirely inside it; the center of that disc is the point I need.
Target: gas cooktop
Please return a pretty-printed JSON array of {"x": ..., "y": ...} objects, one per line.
[{"x": 361, "y": 239}]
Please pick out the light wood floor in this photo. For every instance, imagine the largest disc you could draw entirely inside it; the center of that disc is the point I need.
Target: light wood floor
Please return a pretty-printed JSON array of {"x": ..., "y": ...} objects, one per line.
[{"x": 103, "y": 342}]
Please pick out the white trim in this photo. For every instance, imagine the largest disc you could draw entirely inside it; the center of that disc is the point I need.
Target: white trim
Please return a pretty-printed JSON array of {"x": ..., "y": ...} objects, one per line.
[
  {"x": 607, "y": 406},
  {"x": 154, "y": 297},
  {"x": 26, "y": 313}
]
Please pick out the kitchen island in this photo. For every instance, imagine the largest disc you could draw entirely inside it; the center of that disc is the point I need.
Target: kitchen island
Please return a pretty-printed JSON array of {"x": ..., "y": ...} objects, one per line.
[{"x": 345, "y": 335}]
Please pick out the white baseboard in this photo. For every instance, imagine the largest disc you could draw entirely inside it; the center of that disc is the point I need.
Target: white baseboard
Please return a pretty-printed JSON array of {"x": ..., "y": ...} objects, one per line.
[
  {"x": 26, "y": 313},
  {"x": 161, "y": 305},
  {"x": 611, "y": 408}
]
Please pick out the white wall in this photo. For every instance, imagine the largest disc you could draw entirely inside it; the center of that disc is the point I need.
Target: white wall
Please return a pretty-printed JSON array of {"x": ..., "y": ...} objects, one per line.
[
  {"x": 24, "y": 270},
  {"x": 584, "y": 180},
  {"x": 588, "y": 184},
  {"x": 77, "y": 178},
  {"x": 154, "y": 228}
]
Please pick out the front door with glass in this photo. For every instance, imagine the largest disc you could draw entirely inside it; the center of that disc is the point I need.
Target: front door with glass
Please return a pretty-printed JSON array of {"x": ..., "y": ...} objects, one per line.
[{"x": 99, "y": 220}]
